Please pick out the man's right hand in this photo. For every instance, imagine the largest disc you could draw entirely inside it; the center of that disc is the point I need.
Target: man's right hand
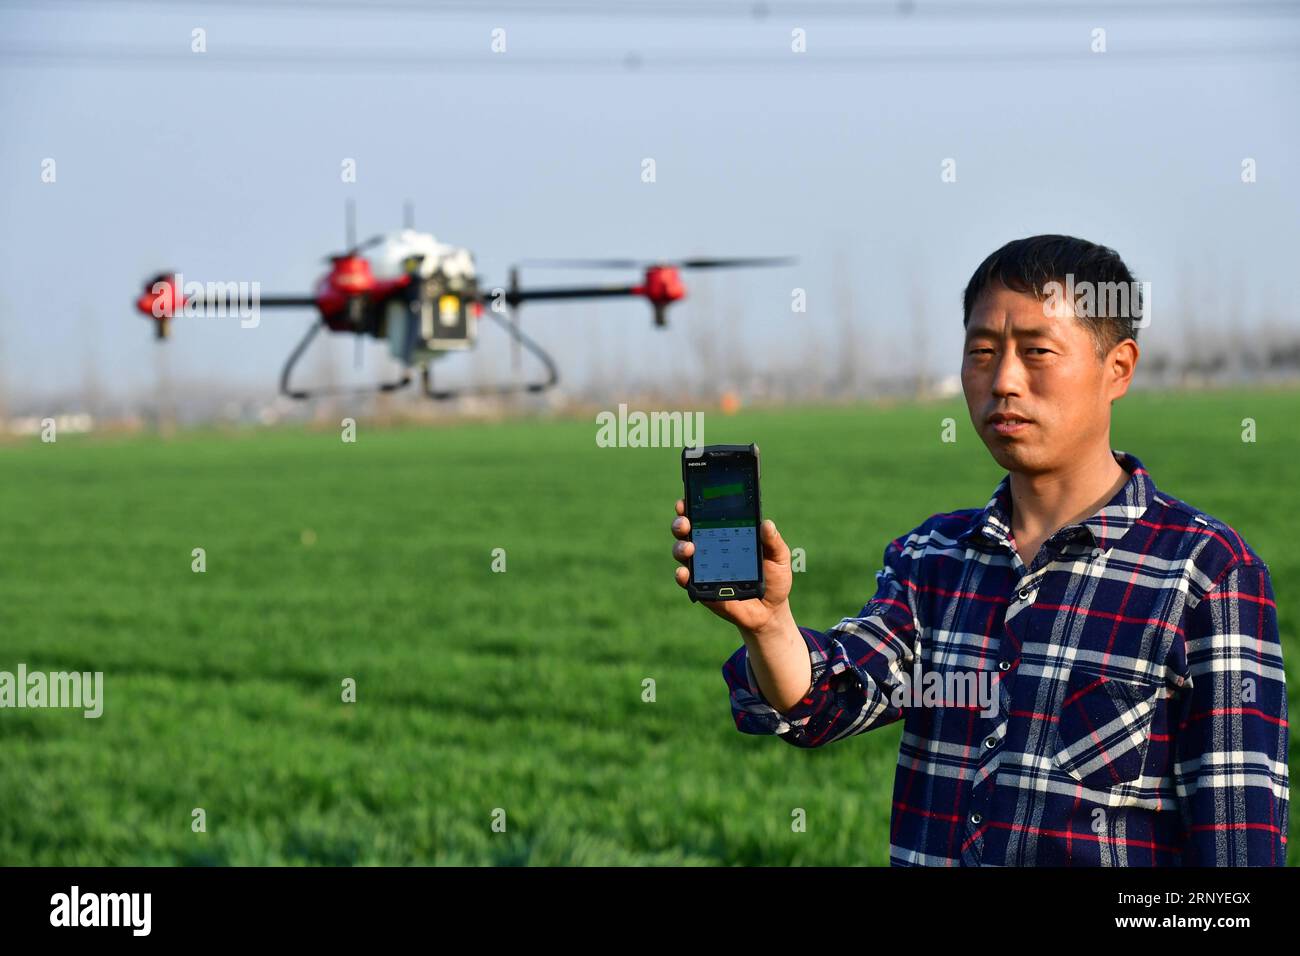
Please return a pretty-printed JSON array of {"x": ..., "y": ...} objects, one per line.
[
  {"x": 755, "y": 615},
  {"x": 776, "y": 651}
]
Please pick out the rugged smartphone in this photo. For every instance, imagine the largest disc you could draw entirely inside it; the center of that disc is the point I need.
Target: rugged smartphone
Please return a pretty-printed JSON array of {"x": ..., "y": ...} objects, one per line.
[{"x": 723, "y": 507}]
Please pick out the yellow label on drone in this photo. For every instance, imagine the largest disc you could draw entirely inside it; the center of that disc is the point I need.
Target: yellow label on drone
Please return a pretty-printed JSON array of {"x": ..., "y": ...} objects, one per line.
[{"x": 449, "y": 305}]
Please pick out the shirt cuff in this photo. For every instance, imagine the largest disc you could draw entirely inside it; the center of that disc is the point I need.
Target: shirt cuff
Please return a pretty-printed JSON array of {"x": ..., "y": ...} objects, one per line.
[{"x": 810, "y": 703}]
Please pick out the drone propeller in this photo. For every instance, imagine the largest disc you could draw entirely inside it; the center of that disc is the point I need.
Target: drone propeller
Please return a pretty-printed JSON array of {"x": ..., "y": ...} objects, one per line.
[
  {"x": 728, "y": 263},
  {"x": 737, "y": 263},
  {"x": 353, "y": 250},
  {"x": 584, "y": 263},
  {"x": 350, "y": 235}
]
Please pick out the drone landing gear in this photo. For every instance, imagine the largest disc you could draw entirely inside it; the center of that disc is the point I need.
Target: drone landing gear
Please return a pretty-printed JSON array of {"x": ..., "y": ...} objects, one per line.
[
  {"x": 296, "y": 354},
  {"x": 552, "y": 374}
]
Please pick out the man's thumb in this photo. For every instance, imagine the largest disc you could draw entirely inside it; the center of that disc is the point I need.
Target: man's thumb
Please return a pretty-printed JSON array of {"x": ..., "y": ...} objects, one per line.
[{"x": 774, "y": 548}]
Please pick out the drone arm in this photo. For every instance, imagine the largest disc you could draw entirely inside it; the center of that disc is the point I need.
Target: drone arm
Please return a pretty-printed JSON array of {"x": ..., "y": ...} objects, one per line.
[
  {"x": 228, "y": 299},
  {"x": 515, "y": 296},
  {"x": 163, "y": 298},
  {"x": 286, "y": 301}
]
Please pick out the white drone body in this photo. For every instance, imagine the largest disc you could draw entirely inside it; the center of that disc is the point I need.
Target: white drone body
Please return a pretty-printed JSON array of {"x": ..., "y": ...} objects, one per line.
[
  {"x": 389, "y": 255},
  {"x": 438, "y": 326}
]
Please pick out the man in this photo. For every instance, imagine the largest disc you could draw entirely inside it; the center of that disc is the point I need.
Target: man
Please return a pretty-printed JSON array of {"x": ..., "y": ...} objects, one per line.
[{"x": 1127, "y": 639}]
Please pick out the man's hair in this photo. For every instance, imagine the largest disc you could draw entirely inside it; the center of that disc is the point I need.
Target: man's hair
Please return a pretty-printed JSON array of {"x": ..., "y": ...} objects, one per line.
[{"x": 1029, "y": 265}]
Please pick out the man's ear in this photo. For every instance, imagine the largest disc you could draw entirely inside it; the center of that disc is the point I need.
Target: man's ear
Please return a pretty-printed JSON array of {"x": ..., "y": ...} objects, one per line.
[{"x": 1121, "y": 363}]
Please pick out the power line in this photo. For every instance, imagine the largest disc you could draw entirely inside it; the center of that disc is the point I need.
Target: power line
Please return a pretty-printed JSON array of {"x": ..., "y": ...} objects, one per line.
[
  {"x": 289, "y": 59},
  {"x": 734, "y": 9}
]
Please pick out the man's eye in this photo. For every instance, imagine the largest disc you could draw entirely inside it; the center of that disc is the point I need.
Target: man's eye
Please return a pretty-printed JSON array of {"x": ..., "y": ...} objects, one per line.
[
  {"x": 977, "y": 351},
  {"x": 1039, "y": 350}
]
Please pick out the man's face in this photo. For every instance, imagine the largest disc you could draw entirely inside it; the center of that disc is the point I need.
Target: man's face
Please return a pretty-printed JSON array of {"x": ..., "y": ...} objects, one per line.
[{"x": 1042, "y": 368}]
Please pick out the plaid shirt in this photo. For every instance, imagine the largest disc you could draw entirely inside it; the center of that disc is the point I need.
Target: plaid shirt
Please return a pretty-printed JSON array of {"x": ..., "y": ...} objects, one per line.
[{"x": 1140, "y": 715}]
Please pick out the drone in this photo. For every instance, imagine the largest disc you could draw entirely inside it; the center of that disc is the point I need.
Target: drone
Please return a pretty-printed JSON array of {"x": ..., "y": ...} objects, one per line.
[{"x": 425, "y": 299}]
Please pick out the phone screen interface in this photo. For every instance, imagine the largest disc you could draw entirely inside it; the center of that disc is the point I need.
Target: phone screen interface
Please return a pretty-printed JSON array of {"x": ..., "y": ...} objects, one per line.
[{"x": 724, "y": 520}]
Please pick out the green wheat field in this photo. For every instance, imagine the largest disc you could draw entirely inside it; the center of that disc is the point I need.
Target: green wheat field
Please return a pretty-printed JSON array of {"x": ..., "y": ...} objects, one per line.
[{"x": 479, "y": 690}]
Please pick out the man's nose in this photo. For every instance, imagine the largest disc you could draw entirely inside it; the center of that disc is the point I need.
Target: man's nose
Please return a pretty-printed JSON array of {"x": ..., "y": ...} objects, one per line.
[{"x": 1008, "y": 375}]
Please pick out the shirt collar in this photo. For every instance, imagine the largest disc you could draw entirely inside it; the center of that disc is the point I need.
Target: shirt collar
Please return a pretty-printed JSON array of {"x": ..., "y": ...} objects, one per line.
[{"x": 1103, "y": 530}]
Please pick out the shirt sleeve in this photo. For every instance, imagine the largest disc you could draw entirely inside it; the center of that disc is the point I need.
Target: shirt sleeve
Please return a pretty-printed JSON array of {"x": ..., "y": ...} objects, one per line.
[
  {"x": 1231, "y": 754},
  {"x": 856, "y": 667}
]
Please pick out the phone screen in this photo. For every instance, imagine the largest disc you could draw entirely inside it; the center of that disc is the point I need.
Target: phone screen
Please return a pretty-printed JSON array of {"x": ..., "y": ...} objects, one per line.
[{"x": 724, "y": 518}]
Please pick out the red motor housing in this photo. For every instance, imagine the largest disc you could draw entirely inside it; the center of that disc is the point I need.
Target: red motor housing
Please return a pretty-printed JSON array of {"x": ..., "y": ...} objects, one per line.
[
  {"x": 663, "y": 285},
  {"x": 160, "y": 300},
  {"x": 349, "y": 279}
]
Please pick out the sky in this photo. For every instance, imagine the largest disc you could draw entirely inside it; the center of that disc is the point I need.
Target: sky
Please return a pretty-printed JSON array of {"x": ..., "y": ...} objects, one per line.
[{"x": 226, "y": 165}]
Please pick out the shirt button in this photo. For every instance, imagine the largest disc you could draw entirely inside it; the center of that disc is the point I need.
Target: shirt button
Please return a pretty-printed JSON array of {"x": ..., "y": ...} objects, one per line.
[
  {"x": 975, "y": 817},
  {"x": 1024, "y": 593},
  {"x": 990, "y": 742},
  {"x": 1004, "y": 666},
  {"x": 1096, "y": 552}
]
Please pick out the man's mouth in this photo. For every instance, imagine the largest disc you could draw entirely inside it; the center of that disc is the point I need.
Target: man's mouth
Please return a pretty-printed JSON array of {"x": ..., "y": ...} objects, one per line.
[{"x": 1008, "y": 423}]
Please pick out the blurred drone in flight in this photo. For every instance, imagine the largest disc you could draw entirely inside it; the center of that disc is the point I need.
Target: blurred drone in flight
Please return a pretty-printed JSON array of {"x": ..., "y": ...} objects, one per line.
[{"x": 426, "y": 299}]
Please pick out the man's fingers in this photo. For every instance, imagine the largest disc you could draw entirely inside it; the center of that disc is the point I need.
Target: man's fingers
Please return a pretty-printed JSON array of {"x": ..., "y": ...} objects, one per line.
[
  {"x": 682, "y": 550},
  {"x": 681, "y": 506},
  {"x": 682, "y": 527},
  {"x": 683, "y": 575}
]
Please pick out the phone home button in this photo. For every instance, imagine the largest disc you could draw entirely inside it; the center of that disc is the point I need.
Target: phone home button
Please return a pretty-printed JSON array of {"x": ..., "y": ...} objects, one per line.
[{"x": 726, "y": 592}]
